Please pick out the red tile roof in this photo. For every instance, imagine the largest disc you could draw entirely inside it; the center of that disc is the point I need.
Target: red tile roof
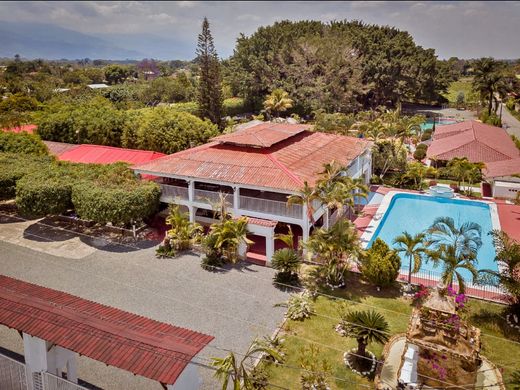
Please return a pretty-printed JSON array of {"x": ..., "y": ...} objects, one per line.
[
  {"x": 262, "y": 222},
  {"x": 27, "y": 128},
  {"x": 98, "y": 154},
  {"x": 285, "y": 165},
  {"x": 502, "y": 168},
  {"x": 262, "y": 135},
  {"x": 145, "y": 347},
  {"x": 476, "y": 141}
]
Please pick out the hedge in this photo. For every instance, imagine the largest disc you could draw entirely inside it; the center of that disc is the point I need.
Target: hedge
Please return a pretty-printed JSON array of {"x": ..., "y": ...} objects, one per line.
[
  {"x": 38, "y": 196},
  {"x": 420, "y": 152},
  {"x": 23, "y": 142},
  {"x": 117, "y": 205}
]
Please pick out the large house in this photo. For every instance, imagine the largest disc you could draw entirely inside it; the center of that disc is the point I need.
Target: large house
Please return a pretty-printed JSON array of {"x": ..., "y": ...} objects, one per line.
[
  {"x": 256, "y": 168},
  {"x": 479, "y": 142}
]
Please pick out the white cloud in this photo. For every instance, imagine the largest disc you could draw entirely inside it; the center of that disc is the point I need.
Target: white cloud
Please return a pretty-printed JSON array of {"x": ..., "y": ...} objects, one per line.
[{"x": 162, "y": 18}]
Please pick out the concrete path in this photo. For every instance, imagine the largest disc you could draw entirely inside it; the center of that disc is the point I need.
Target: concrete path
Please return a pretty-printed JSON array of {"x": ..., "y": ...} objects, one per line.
[{"x": 234, "y": 306}]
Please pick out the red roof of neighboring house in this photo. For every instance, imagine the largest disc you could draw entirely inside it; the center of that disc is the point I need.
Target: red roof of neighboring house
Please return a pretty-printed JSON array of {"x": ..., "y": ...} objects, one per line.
[
  {"x": 27, "y": 128},
  {"x": 502, "y": 168},
  {"x": 262, "y": 135},
  {"x": 145, "y": 347},
  {"x": 98, "y": 154},
  {"x": 57, "y": 148},
  {"x": 285, "y": 165},
  {"x": 477, "y": 141}
]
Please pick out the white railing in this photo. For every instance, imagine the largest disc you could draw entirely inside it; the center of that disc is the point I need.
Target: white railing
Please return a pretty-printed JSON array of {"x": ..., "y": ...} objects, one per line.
[
  {"x": 170, "y": 191},
  {"x": 273, "y": 207},
  {"x": 203, "y": 196},
  {"x": 12, "y": 374},
  {"x": 53, "y": 382}
]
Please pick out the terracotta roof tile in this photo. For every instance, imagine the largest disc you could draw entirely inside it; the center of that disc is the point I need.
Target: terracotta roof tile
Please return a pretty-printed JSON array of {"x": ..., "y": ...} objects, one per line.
[
  {"x": 145, "y": 347},
  {"x": 285, "y": 165},
  {"x": 476, "y": 141},
  {"x": 261, "y": 222},
  {"x": 502, "y": 168}
]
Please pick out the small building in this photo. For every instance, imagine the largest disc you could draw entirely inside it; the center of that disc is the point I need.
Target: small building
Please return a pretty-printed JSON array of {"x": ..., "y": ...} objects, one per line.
[
  {"x": 257, "y": 168},
  {"x": 503, "y": 178},
  {"x": 97, "y": 86}
]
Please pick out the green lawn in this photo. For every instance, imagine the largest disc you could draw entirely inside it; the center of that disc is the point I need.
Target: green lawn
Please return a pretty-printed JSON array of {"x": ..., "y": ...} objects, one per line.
[
  {"x": 462, "y": 85},
  {"x": 397, "y": 310}
]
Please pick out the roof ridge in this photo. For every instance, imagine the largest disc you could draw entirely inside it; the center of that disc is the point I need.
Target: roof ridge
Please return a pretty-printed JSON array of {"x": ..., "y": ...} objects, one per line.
[{"x": 286, "y": 170}]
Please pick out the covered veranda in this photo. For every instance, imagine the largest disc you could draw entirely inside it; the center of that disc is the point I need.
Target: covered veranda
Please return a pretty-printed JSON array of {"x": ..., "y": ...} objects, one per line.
[{"x": 56, "y": 327}]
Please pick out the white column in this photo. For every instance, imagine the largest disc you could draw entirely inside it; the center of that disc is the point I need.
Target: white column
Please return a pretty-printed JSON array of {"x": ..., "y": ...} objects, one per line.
[
  {"x": 326, "y": 218},
  {"x": 191, "y": 211},
  {"x": 191, "y": 197},
  {"x": 236, "y": 201},
  {"x": 269, "y": 246},
  {"x": 72, "y": 371},
  {"x": 35, "y": 352}
]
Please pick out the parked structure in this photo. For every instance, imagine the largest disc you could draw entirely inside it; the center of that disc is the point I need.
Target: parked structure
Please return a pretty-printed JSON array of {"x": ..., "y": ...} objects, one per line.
[
  {"x": 57, "y": 326},
  {"x": 479, "y": 142},
  {"x": 257, "y": 167}
]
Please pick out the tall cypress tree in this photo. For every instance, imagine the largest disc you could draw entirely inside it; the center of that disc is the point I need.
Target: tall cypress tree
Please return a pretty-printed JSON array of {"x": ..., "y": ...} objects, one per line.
[{"x": 210, "y": 89}]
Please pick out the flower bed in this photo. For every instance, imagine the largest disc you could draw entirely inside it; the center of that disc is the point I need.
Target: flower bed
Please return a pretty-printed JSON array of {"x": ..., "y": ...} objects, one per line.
[{"x": 370, "y": 359}]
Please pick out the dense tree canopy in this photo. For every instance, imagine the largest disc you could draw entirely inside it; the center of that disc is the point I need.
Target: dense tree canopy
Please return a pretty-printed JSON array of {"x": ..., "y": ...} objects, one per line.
[{"x": 337, "y": 66}]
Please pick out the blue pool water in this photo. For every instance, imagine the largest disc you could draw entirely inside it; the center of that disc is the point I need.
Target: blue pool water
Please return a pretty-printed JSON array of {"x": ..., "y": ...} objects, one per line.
[
  {"x": 438, "y": 122},
  {"x": 416, "y": 213}
]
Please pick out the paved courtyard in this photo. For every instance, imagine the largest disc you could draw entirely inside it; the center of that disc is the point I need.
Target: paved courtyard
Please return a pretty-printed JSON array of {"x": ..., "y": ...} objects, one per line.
[{"x": 234, "y": 306}]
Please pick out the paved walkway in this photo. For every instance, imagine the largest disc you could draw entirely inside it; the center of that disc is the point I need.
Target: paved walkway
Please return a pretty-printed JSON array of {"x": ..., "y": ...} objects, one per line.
[{"x": 234, "y": 306}]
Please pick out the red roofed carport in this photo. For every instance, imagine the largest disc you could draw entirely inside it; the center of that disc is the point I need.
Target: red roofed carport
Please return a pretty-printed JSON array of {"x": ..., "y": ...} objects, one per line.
[{"x": 56, "y": 325}]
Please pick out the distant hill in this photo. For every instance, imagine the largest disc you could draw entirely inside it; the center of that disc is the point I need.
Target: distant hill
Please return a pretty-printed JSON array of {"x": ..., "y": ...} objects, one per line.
[{"x": 37, "y": 40}]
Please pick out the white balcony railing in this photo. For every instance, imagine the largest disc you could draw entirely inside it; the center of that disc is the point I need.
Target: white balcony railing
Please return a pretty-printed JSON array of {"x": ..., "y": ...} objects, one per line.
[
  {"x": 169, "y": 191},
  {"x": 203, "y": 196},
  {"x": 273, "y": 207}
]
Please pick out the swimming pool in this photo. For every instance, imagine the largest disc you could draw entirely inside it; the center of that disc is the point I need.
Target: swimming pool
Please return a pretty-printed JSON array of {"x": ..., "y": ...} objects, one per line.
[
  {"x": 438, "y": 122},
  {"x": 416, "y": 213}
]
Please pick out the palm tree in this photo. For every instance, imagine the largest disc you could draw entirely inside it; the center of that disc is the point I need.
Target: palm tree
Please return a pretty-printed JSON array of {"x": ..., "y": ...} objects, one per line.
[
  {"x": 366, "y": 327},
  {"x": 452, "y": 263},
  {"x": 508, "y": 274},
  {"x": 466, "y": 239},
  {"x": 287, "y": 262},
  {"x": 464, "y": 170},
  {"x": 413, "y": 248},
  {"x": 487, "y": 78},
  {"x": 306, "y": 197},
  {"x": 278, "y": 101},
  {"x": 238, "y": 372},
  {"x": 182, "y": 232},
  {"x": 229, "y": 234}
]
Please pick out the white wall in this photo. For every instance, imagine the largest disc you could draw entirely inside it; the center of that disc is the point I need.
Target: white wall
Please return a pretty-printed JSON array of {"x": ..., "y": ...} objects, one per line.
[{"x": 504, "y": 189}]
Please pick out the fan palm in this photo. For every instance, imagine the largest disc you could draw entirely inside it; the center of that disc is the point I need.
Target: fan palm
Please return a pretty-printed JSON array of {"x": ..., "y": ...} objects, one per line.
[
  {"x": 366, "y": 327},
  {"x": 508, "y": 259},
  {"x": 278, "y": 101},
  {"x": 412, "y": 247},
  {"x": 238, "y": 372},
  {"x": 466, "y": 239}
]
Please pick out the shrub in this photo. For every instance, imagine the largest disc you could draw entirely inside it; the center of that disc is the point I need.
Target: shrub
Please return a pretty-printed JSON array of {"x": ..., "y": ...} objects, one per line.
[
  {"x": 22, "y": 143},
  {"x": 492, "y": 119},
  {"x": 426, "y": 135},
  {"x": 380, "y": 265},
  {"x": 189, "y": 107},
  {"x": 286, "y": 261},
  {"x": 420, "y": 152},
  {"x": 14, "y": 166},
  {"x": 182, "y": 235},
  {"x": 299, "y": 307},
  {"x": 122, "y": 204},
  {"x": 41, "y": 195}
]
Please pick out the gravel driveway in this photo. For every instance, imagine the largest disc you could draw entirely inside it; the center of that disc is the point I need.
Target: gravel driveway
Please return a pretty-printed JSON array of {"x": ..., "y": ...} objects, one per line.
[{"x": 234, "y": 306}]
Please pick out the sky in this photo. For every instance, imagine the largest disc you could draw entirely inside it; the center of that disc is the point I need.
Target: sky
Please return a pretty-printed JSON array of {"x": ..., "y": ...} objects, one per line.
[{"x": 156, "y": 29}]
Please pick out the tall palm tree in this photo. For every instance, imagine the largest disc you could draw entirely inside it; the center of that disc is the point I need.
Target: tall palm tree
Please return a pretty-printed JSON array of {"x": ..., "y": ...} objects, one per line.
[
  {"x": 508, "y": 274},
  {"x": 487, "y": 78},
  {"x": 306, "y": 197},
  {"x": 278, "y": 101},
  {"x": 464, "y": 170},
  {"x": 366, "y": 327},
  {"x": 452, "y": 262},
  {"x": 466, "y": 238},
  {"x": 238, "y": 372},
  {"x": 413, "y": 249}
]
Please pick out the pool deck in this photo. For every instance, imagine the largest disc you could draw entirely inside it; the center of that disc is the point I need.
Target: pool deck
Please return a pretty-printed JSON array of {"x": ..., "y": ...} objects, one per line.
[{"x": 509, "y": 217}]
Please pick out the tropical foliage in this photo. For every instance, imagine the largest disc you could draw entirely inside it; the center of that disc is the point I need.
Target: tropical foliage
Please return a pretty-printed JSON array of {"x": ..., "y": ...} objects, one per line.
[
  {"x": 464, "y": 171},
  {"x": 315, "y": 369},
  {"x": 412, "y": 248},
  {"x": 286, "y": 261},
  {"x": 277, "y": 102},
  {"x": 182, "y": 235},
  {"x": 299, "y": 306},
  {"x": 23, "y": 143},
  {"x": 380, "y": 265}
]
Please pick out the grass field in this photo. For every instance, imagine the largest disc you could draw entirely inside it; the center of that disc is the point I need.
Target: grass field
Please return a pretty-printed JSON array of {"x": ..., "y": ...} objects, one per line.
[
  {"x": 462, "y": 85},
  {"x": 319, "y": 329}
]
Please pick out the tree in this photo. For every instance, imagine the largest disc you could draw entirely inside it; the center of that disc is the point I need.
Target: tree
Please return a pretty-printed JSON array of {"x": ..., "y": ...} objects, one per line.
[
  {"x": 453, "y": 261},
  {"x": 466, "y": 238},
  {"x": 315, "y": 369},
  {"x": 116, "y": 74},
  {"x": 487, "y": 78},
  {"x": 464, "y": 170},
  {"x": 23, "y": 143},
  {"x": 238, "y": 372},
  {"x": 460, "y": 99},
  {"x": 228, "y": 235},
  {"x": 277, "y": 102},
  {"x": 210, "y": 88},
  {"x": 508, "y": 274},
  {"x": 388, "y": 155},
  {"x": 366, "y": 327},
  {"x": 380, "y": 265},
  {"x": 182, "y": 234},
  {"x": 306, "y": 197},
  {"x": 412, "y": 247}
]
